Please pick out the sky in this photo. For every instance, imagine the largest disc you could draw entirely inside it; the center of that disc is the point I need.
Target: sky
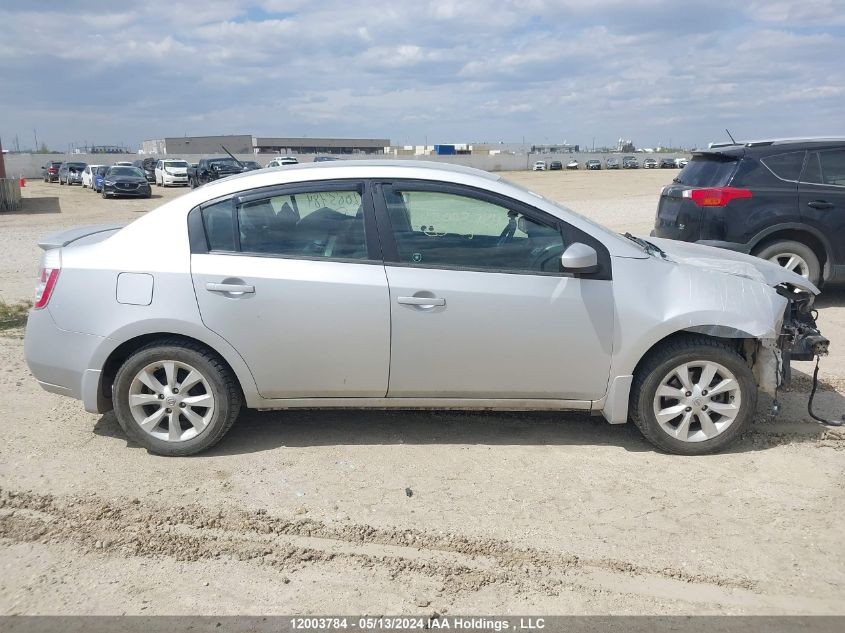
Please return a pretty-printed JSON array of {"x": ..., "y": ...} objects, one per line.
[{"x": 438, "y": 71}]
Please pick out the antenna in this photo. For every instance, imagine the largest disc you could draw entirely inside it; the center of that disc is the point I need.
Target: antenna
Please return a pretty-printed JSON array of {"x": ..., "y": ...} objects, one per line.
[{"x": 730, "y": 136}]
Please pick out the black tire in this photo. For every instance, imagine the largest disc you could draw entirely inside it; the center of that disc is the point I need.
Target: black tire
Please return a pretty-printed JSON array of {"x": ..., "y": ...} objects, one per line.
[
  {"x": 773, "y": 249},
  {"x": 104, "y": 194},
  {"x": 662, "y": 360},
  {"x": 225, "y": 388}
]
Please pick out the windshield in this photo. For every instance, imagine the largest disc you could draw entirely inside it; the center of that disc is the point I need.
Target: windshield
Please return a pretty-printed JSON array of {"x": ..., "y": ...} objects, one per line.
[
  {"x": 223, "y": 161},
  {"x": 102, "y": 170},
  {"x": 175, "y": 163},
  {"x": 76, "y": 165},
  {"x": 708, "y": 171},
  {"x": 124, "y": 171}
]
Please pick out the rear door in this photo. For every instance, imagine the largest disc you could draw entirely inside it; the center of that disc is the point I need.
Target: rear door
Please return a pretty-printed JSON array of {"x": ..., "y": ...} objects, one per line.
[
  {"x": 293, "y": 278},
  {"x": 822, "y": 201}
]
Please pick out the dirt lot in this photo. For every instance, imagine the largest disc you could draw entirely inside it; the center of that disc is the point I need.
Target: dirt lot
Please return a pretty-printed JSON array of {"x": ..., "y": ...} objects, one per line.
[{"x": 396, "y": 512}]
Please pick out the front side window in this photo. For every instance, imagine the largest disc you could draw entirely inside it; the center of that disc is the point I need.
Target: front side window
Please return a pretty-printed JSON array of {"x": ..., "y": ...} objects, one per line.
[
  {"x": 320, "y": 224},
  {"x": 444, "y": 229}
]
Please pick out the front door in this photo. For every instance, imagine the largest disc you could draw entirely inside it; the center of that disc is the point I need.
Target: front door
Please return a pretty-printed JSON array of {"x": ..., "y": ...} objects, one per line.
[
  {"x": 291, "y": 280},
  {"x": 480, "y": 308}
]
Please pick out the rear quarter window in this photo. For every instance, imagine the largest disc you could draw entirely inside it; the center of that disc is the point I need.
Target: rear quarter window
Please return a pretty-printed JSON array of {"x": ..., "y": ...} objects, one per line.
[
  {"x": 705, "y": 171},
  {"x": 785, "y": 166}
]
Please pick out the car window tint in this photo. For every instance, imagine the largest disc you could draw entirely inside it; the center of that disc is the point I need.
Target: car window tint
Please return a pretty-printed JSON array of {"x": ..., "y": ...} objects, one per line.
[
  {"x": 703, "y": 171},
  {"x": 444, "y": 229},
  {"x": 786, "y": 166},
  {"x": 326, "y": 224},
  {"x": 833, "y": 167},
  {"x": 219, "y": 232}
]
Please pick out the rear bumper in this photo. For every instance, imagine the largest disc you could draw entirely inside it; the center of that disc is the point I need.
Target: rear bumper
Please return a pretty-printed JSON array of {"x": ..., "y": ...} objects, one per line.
[{"x": 60, "y": 360}]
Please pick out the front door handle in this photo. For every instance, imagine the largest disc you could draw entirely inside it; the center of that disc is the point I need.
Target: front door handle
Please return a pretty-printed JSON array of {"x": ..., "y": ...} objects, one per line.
[
  {"x": 230, "y": 288},
  {"x": 821, "y": 205},
  {"x": 423, "y": 302}
]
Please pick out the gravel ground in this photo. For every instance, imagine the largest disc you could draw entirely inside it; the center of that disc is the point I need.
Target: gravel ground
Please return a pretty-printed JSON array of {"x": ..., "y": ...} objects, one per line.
[{"x": 411, "y": 512}]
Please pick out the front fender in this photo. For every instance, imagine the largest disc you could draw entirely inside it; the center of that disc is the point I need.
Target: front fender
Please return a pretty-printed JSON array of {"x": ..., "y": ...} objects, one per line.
[{"x": 678, "y": 298}]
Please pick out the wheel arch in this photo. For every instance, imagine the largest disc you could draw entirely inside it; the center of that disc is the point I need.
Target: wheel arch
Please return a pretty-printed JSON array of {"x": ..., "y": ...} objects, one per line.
[
  {"x": 804, "y": 233},
  {"x": 616, "y": 405},
  {"x": 117, "y": 356}
]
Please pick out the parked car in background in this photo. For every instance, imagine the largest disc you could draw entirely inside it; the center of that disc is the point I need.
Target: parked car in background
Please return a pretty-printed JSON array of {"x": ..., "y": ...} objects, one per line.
[
  {"x": 629, "y": 162},
  {"x": 70, "y": 173},
  {"x": 781, "y": 200},
  {"x": 171, "y": 171},
  {"x": 281, "y": 161},
  {"x": 667, "y": 163},
  {"x": 148, "y": 166},
  {"x": 123, "y": 163},
  {"x": 50, "y": 170},
  {"x": 211, "y": 169},
  {"x": 573, "y": 164},
  {"x": 88, "y": 176},
  {"x": 612, "y": 163},
  {"x": 680, "y": 163},
  {"x": 555, "y": 165},
  {"x": 592, "y": 164},
  {"x": 241, "y": 309},
  {"x": 650, "y": 163},
  {"x": 121, "y": 180},
  {"x": 539, "y": 165},
  {"x": 97, "y": 180},
  {"x": 324, "y": 159}
]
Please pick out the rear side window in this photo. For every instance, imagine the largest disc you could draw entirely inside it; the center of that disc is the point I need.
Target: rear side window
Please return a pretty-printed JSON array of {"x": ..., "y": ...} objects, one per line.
[
  {"x": 327, "y": 224},
  {"x": 219, "y": 230},
  {"x": 785, "y": 166},
  {"x": 826, "y": 168},
  {"x": 706, "y": 171}
]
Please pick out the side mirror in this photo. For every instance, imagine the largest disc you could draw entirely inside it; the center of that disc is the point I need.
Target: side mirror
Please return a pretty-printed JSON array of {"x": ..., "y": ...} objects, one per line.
[{"x": 579, "y": 258}]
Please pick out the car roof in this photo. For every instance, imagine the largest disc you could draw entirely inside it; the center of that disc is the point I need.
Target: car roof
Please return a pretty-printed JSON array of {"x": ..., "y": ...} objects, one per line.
[
  {"x": 810, "y": 141},
  {"x": 371, "y": 168}
]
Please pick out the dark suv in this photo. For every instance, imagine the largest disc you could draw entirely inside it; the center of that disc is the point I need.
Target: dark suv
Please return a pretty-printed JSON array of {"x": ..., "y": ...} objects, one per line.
[{"x": 780, "y": 200}]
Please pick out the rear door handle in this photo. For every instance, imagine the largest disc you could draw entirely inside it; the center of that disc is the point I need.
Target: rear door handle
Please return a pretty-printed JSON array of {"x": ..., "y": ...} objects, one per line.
[
  {"x": 232, "y": 288},
  {"x": 424, "y": 302},
  {"x": 821, "y": 205}
]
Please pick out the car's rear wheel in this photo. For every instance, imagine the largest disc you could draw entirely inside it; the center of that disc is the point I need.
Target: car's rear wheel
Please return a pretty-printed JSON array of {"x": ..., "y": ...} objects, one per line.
[
  {"x": 794, "y": 256},
  {"x": 176, "y": 398},
  {"x": 693, "y": 395}
]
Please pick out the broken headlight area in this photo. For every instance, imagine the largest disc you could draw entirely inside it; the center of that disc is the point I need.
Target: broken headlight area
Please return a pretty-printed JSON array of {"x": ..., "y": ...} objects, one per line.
[{"x": 800, "y": 338}]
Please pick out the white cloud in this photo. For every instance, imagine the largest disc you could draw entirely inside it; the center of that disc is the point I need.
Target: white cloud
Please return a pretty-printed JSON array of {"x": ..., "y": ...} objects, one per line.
[{"x": 442, "y": 68}]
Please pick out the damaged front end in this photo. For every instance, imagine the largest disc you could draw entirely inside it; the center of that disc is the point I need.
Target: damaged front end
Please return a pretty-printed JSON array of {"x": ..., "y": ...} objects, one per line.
[{"x": 800, "y": 338}]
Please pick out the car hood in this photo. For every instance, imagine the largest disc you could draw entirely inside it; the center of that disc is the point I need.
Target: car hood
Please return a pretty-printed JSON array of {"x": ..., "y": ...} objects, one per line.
[{"x": 731, "y": 263}]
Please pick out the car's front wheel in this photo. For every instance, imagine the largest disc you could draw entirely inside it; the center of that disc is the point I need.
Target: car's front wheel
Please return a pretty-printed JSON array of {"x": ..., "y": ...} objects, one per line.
[
  {"x": 176, "y": 398},
  {"x": 693, "y": 395}
]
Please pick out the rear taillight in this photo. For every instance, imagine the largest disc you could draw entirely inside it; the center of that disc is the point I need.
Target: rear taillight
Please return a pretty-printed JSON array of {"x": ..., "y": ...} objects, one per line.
[
  {"x": 48, "y": 275},
  {"x": 715, "y": 196}
]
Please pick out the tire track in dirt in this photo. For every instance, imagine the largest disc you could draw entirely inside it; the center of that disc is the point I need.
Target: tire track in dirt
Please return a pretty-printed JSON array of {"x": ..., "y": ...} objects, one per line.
[{"x": 130, "y": 527}]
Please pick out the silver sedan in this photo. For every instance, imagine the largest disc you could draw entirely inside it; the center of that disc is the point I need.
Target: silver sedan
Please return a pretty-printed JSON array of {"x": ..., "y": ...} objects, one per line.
[{"x": 404, "y": 284}]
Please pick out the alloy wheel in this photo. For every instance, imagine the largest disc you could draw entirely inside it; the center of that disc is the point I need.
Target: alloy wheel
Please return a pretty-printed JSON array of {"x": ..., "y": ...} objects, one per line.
[
  {"x": 792, "y": 262},
  {"x": 171, "y": 401},
  {"x": 697, "y": 401}
]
